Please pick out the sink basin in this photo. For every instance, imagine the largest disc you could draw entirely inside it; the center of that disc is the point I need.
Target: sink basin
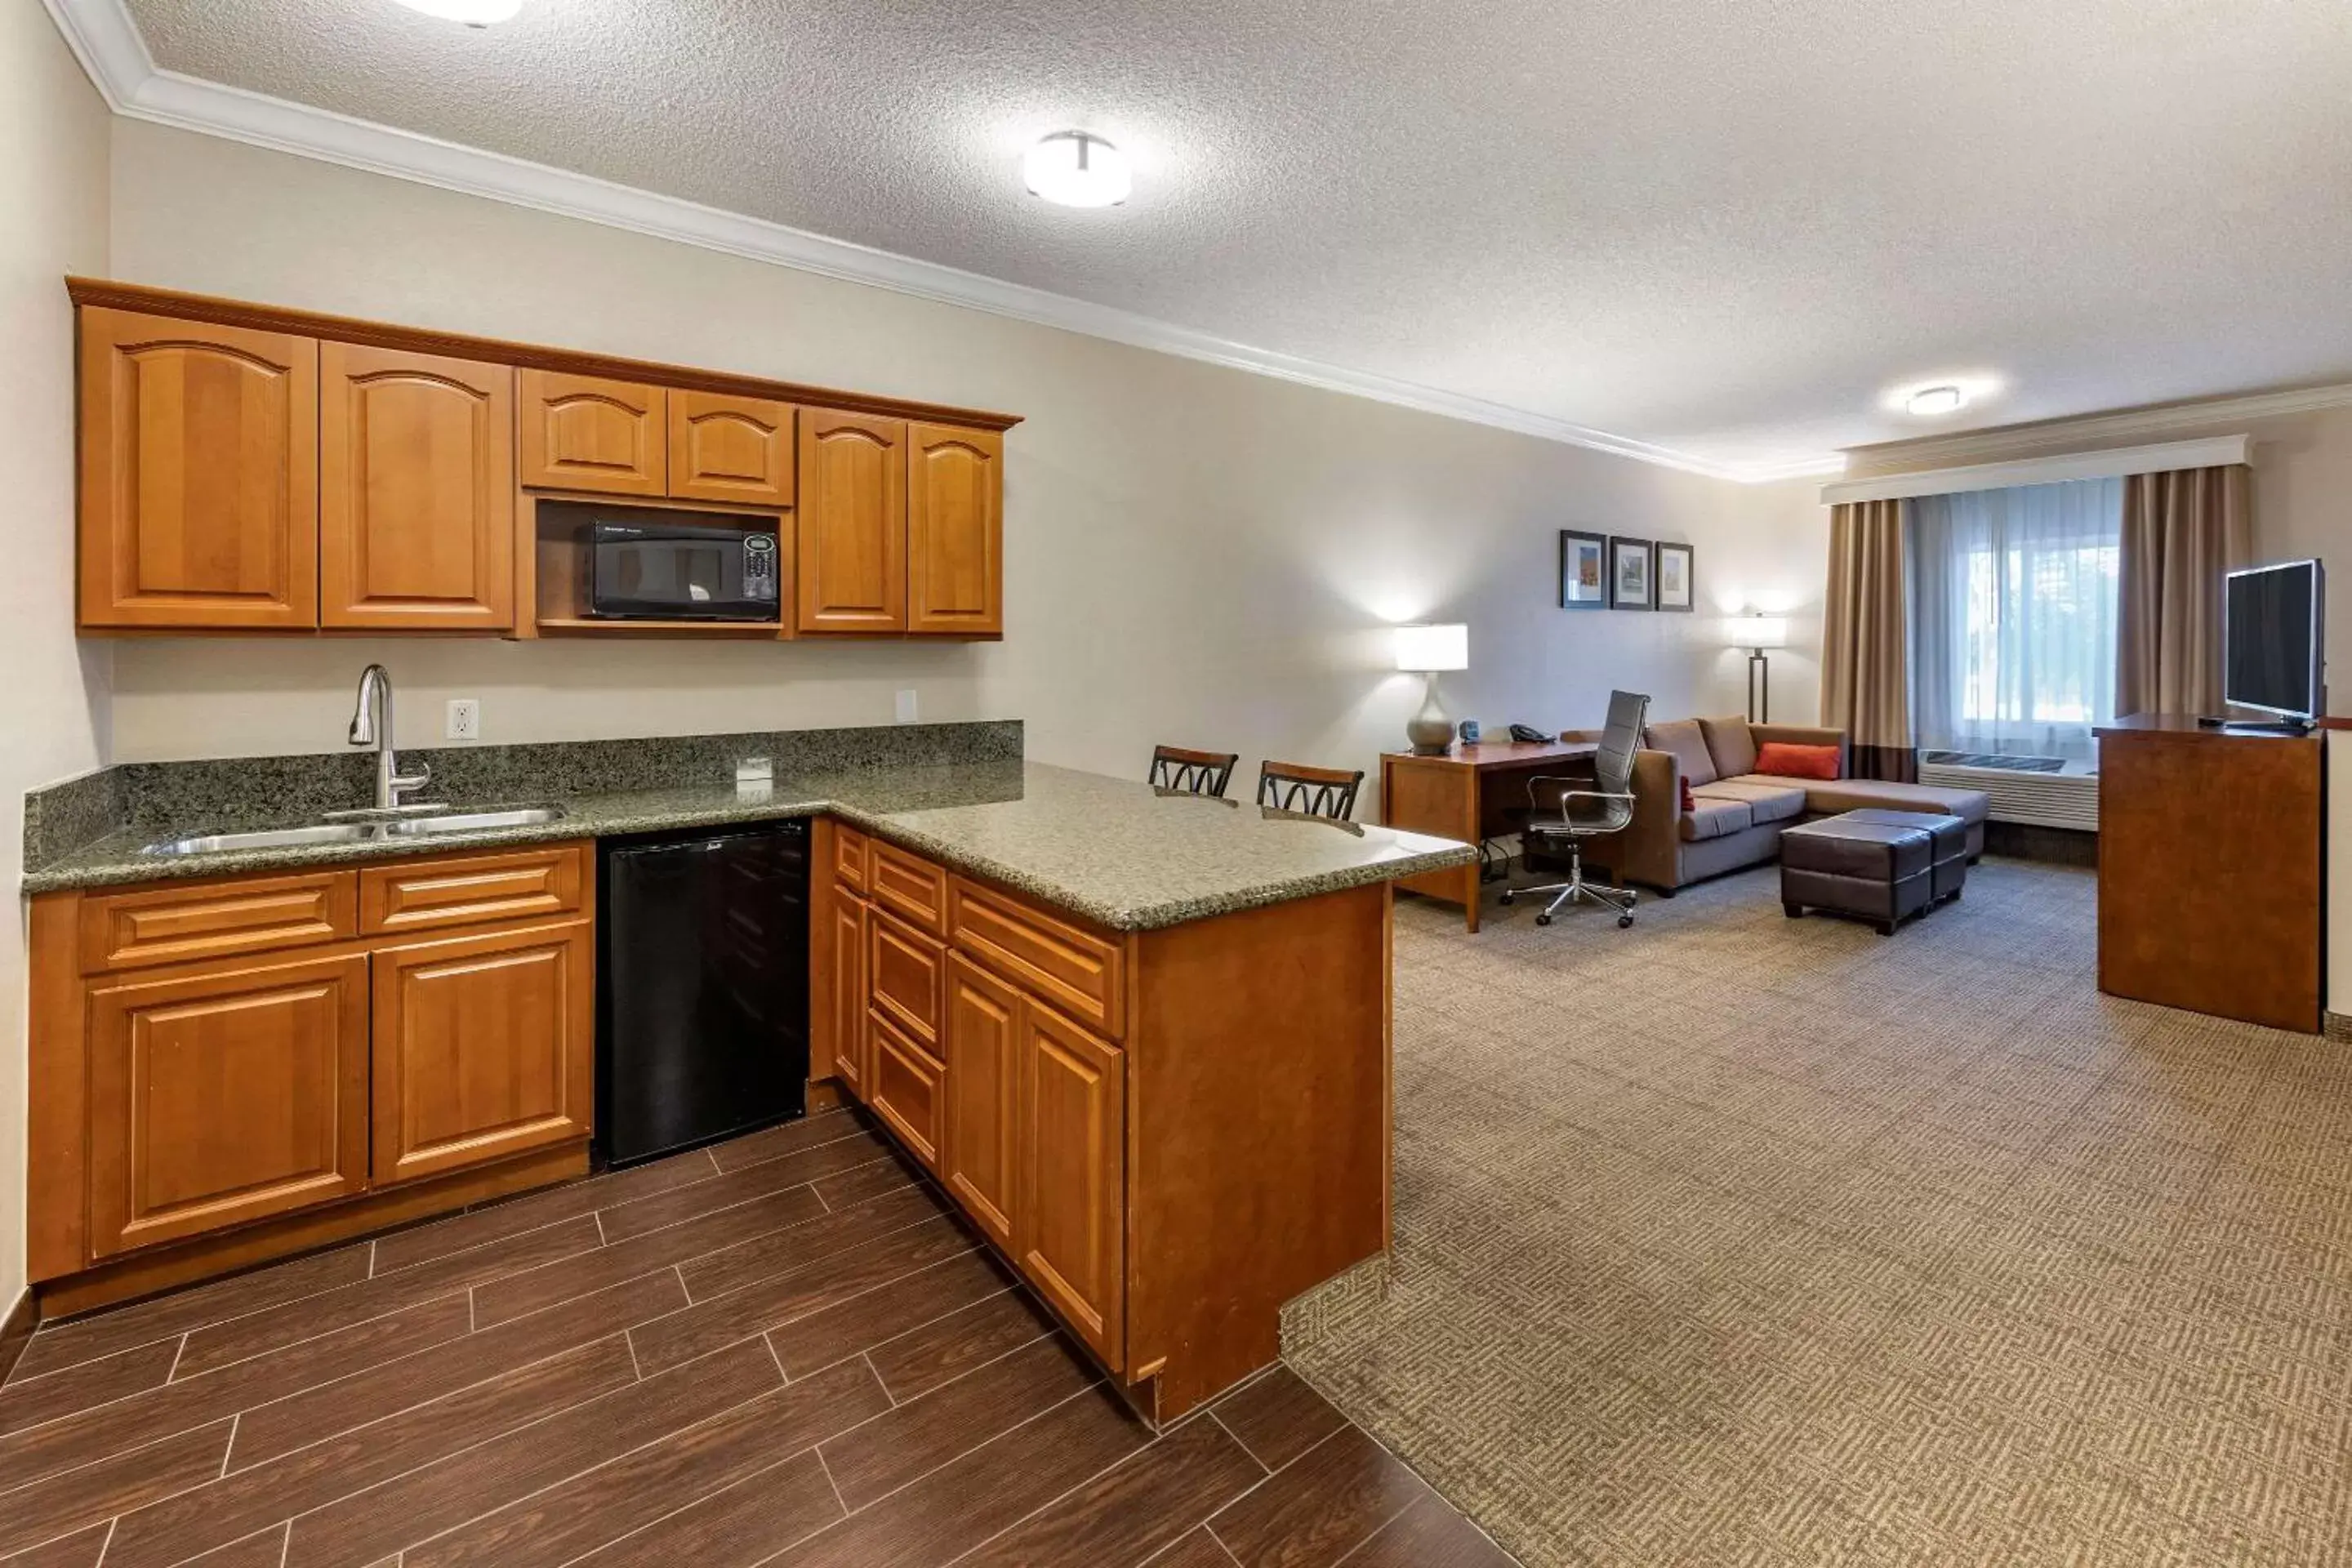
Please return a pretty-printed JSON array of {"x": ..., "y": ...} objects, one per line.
[
  {"x": 359, "y": 832},
  {"x": 266, "y": 839},
  {"x": 474, "y": 821}
]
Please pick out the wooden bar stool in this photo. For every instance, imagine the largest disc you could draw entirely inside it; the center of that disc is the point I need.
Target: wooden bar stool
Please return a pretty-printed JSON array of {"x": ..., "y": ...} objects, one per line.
[
  {"x": 1192, "y": 773},
  {"x": 1310, "y": 791}
]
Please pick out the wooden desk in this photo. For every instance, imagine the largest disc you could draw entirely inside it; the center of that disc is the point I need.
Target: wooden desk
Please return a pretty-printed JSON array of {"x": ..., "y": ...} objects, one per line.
[
  {"x": 1469, "y": 793},
  {"x": 2210, "y": 871}
]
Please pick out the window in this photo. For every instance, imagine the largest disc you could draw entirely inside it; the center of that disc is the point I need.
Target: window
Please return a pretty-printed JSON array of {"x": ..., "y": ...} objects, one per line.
[{"x": 2012, "y": 608}]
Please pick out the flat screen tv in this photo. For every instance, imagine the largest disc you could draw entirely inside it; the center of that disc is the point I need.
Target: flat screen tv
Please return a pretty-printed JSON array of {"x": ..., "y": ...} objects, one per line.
[{"x": 2273, "y": 642}]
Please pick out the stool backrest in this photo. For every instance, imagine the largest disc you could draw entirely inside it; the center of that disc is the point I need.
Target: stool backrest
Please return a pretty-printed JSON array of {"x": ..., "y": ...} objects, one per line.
[
  {"x": 1310, "y": 791},
  {"x": 1192, "y": 773}
]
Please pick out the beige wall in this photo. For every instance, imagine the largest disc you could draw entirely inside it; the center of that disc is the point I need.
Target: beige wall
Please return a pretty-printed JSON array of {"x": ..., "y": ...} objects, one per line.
[
  {"x": 1193, "y": 554},
  {"x": 2303, "y": 493},
  {"x": 53, "y": 694}
]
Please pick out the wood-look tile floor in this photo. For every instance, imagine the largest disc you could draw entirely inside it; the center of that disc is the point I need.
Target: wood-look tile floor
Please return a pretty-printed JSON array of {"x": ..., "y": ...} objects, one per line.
[{"x": 784, "y": 1348}]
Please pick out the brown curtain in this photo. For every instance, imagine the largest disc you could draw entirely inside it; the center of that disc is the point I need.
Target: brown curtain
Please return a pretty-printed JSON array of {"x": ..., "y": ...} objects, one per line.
[
  {"x": 1866, "y": 678},
  {"x": 2182, "y": 531}
]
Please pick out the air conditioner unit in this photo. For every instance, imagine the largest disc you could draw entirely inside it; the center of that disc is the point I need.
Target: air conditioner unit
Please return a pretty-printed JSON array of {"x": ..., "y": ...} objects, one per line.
[{"x": 2023, "y": 789}]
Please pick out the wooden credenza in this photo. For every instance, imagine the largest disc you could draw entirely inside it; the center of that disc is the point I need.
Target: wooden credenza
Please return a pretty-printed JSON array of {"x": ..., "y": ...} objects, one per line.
[
  {"x": 1169, "y": 1133},
  {"x": 2210, "y": 869}
]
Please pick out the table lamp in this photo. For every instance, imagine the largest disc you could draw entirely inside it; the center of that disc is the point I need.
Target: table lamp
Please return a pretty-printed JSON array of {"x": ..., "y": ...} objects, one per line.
[
  {"x": 1427, "y": 650},
  {"x": 1757, "y": 631}
]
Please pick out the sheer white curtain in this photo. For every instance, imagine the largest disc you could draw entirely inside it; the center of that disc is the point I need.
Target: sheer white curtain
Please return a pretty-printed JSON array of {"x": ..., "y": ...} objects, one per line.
[{"x": 2013, "y": 617}]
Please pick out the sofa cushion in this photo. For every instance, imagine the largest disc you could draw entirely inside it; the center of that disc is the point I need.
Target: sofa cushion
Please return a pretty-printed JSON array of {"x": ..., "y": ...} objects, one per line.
[
  {"x": 1731, "y": 744},
  {"x": 1716, "y": 816},
  {"x": 1683, "y": 738},
  {"x": 1856, "y": 794},
  {"x": 1767, "y": 799},
  {"x": 1781, "y": 759}
]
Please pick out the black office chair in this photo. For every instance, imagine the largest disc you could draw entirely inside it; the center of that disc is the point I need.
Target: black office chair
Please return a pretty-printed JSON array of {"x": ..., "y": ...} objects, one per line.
[
  {"x": 1562, "y": 812},
  {"x": 1192, "y": 773},
  {"x": 1309, "y": 790}
]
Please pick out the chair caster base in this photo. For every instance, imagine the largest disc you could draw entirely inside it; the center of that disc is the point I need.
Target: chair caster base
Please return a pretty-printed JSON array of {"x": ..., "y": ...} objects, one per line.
[
  {"x": 1543, "y": 920},
  {"x": 1506, "y": 897},
  {"x": 1624, "y": 922}
]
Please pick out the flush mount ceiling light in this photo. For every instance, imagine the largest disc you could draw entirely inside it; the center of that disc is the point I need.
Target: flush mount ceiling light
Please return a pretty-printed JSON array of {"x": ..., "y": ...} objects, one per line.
[
  {"x": 1076, "y": 169},
  {"x": 473, "y": 13},
  {"x": 1930, "y": 401}
]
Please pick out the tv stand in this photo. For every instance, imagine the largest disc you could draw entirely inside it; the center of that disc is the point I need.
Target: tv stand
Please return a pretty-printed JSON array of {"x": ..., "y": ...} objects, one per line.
[{"x": 2209, "y": 873}]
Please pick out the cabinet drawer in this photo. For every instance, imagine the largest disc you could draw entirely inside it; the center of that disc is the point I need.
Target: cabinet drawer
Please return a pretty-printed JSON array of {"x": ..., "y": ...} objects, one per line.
[
  {"x": 1073, "y": 968},
  {"x": 905, "y": 976},
  {"x": 849, "y": 858},
  {"x": 190, "y": 921},
  {"x": 906, "y": 1088},
  {"x": 471, "y": 889},
  {"x": 908, "y": 886}
]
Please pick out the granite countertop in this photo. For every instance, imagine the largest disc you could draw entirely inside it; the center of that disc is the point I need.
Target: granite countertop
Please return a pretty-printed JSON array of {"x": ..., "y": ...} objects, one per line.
[{"x": 1114, "y": 851}]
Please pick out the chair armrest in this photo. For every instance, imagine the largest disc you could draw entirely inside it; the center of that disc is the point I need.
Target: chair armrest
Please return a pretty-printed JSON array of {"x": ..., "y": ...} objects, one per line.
[{"x": 1807, "y": 735}]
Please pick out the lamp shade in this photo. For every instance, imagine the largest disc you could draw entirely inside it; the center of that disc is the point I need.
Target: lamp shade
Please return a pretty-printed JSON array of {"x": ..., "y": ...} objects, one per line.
[
  {"x": 1757, "y": 630},
  {"x": 1433, "y": 648}
]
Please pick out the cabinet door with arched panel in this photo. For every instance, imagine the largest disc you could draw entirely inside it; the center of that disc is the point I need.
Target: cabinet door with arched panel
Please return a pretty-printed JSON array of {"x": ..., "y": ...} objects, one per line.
[
  {"x": 586, "y": 432},
  {"x": 955, "y": 532},
  {"x": 852, "y": 522},
  {"x": 416, "y": 491},
  {"x": 199, "y": 459},
  {"x": 727, "y": 448}
]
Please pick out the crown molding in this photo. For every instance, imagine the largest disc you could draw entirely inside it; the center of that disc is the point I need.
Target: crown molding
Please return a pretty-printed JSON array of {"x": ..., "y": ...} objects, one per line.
[
  {"x": 2069, "y": 433},
  {"x": 105, "y": 40}
]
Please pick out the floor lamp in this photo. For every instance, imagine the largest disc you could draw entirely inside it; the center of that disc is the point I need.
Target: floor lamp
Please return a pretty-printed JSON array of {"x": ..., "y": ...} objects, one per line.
[{"x": 1756, "y": 632}]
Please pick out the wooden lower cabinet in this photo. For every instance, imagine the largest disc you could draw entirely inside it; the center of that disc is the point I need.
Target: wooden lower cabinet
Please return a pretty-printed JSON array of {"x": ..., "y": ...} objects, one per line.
[
  {"x": 905, "y": 1086},
  {"x": 1069, "y": 1189},
  {"x": 197, "y": 1107},
  {"x": 225, "y": 1095},
  {"x": 844, "y": 988},
  {"x": 982, "y": 1153},
  {"x": 484, "y": 1048}
]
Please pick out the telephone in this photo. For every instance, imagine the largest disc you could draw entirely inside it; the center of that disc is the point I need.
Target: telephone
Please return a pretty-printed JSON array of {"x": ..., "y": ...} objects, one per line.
[{"x": 1531, "y": 735}]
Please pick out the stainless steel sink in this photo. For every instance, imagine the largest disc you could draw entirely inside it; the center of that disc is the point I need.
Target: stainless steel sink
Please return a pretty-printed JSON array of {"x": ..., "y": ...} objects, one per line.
[
  {"x": 266, "y": 839},
  {"x": 474, "y": 821},
  {"x": 359, "y": 832}
]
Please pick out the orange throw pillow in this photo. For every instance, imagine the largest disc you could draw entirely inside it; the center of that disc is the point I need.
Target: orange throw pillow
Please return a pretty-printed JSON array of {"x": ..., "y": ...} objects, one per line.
[{"x": 1793, "y": 761}]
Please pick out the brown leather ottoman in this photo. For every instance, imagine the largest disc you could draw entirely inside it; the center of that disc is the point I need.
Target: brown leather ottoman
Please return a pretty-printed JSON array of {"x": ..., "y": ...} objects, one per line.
[
  {"x": 1882, "y": 870},
  {"x": 1950, "y": 834}
]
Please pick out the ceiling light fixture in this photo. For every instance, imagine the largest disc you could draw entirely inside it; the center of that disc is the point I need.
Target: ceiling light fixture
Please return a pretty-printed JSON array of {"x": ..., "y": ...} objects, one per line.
[
  {"x": 1929, "y": 401},
  {"x": 1077, "y": 171},
  {"x": 473, "y": 13}
]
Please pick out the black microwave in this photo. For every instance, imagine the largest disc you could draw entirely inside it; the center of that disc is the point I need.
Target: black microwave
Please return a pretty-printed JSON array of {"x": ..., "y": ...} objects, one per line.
[{"x": 681, "y": 572}]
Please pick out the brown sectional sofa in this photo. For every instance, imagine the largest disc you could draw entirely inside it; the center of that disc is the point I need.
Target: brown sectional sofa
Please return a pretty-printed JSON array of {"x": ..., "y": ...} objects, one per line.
[{"x": 1740, "y": 814}]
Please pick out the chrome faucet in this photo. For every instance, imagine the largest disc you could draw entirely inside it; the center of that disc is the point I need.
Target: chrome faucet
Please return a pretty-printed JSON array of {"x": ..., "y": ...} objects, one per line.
[{"x": 371, "y": 726}]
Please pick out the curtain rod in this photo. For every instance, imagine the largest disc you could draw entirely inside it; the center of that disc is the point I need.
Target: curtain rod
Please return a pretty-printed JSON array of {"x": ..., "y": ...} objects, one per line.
[{"x": 2213, "y": 452}]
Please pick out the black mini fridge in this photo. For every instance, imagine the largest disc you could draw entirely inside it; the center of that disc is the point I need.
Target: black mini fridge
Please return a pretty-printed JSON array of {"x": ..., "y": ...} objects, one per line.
[{"x": 702, "y": 987}]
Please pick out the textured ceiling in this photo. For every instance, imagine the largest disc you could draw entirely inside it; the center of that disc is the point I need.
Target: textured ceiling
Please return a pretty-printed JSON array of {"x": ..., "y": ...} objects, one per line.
[{"x": 1729, "y": 228}]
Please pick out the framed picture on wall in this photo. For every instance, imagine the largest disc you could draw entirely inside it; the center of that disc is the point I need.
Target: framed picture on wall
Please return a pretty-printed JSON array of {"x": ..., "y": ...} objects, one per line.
[
  {"x": 1631, "y": 563},
  {"x": 1583, "y": 571},
  {"x": 1678, "y": 568}
]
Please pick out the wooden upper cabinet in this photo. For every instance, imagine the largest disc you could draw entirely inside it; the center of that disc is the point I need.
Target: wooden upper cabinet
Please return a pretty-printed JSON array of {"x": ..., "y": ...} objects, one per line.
[
  {"x": 584, "y": 433},
  {"x": 199, "y": 475},
  {"x": 416, "y": 491},
  {"x": 955, "y": 532},
  {"x": 1070, "y": 1196},
  {"x": 730, "y": 448},
  {"x": 484, "y": 1048},
  {"x": 224, "y": 1095},
  {"x": 852, "y": 523}
]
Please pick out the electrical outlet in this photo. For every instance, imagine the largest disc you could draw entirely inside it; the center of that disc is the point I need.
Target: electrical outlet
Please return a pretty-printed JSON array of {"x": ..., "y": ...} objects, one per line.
[
  {"x": 907, "y": 707},
  {"x": 465, "y": 718}
]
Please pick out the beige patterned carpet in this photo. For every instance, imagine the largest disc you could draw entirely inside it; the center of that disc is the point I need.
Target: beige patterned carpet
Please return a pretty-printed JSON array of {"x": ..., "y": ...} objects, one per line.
[{"x": 1734, "y": 1240}]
